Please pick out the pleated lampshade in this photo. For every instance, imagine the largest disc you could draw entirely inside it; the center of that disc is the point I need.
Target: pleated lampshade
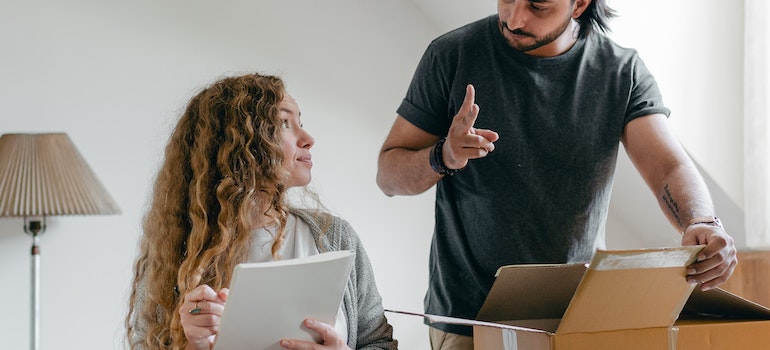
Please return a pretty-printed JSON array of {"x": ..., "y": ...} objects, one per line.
[{"x": 44, "y": 175}]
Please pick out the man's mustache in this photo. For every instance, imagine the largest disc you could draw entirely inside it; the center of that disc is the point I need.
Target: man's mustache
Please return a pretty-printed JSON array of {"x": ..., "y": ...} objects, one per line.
[{"x": 516, "y": 31}]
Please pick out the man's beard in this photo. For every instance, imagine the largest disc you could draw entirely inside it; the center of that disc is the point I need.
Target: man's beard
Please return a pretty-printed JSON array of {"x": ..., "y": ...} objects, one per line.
[{"x": 539, "y": 42}]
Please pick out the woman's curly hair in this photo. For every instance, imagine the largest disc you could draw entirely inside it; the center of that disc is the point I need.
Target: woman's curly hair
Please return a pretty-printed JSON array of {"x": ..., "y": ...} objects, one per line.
[{"x": 222, "y": 172}]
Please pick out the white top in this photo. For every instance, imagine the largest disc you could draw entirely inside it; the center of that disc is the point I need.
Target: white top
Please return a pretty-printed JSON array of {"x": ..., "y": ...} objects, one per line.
[{"x": 298, "y": 242}]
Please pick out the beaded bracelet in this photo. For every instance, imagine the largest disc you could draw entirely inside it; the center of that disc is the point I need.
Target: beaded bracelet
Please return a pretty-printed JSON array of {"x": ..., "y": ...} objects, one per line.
[{"x": 437, "y": 159}]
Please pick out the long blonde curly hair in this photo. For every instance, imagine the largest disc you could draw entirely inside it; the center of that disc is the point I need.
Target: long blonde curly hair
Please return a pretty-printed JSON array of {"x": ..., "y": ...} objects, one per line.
[{"x": 221, "y": 175}]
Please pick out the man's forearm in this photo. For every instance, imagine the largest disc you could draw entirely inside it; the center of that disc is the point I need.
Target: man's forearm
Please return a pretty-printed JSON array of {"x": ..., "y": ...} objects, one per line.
[
  {"x": 402, "y": 171},
  {"x": 683, "y": 195}
]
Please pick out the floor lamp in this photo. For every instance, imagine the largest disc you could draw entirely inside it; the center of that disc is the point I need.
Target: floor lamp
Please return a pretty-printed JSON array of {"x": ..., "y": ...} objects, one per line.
[{"x": 44, "y": 175}]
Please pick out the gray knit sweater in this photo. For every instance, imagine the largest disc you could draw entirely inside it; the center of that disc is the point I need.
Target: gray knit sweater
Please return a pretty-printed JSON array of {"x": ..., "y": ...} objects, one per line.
[{"x": 367, "y": 326}]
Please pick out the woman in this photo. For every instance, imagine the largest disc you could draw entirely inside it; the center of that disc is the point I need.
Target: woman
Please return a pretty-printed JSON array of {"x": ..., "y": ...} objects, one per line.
[{"x": 220, "y": 199}]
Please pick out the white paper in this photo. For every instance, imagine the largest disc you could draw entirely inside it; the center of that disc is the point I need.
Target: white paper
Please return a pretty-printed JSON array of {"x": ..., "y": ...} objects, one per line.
[
  {"x": 643, "y": 259},
  {"x": 268, "y": 301}
]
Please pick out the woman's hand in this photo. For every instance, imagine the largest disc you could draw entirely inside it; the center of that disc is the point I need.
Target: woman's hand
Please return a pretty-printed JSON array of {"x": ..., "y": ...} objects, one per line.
[
  {"x": 331, "y": 341},
  {"x": 200, "y": 315}
]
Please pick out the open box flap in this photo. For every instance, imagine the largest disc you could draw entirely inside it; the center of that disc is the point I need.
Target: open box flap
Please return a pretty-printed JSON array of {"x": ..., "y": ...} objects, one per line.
[
  {"x": 631, "y": 289},
  {"x": 466, "y": 322},
  {"x": 719, "y": 303},
  {"x": 530, "y": 292}
]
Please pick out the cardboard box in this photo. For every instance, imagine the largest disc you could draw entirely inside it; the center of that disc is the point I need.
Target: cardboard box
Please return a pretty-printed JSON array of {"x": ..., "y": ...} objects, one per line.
[{"x": 630, "y": 299}]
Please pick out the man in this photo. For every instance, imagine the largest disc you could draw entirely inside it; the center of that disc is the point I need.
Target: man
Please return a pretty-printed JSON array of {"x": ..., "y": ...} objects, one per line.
[{"x": 526, "y": 177}]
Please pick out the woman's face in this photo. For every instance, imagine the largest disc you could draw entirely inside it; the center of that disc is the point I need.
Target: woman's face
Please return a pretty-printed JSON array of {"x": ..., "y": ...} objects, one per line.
[{"x": 296, "y": 143}]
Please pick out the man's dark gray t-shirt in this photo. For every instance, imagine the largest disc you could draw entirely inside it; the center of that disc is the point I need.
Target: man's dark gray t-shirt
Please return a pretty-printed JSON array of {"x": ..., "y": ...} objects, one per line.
[{"x": 542, "y": 195}]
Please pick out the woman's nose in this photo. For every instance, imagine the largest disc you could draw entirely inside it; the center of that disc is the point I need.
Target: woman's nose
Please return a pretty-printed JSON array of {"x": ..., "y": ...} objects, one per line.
[{"x": 305, "y": 140}]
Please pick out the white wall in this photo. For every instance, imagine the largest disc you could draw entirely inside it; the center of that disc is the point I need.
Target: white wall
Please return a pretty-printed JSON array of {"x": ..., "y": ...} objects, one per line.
[
  {"x": 694, "y": 48},
  {"x": 115, "y": 75},
  {"x": 756, "y": 165}
]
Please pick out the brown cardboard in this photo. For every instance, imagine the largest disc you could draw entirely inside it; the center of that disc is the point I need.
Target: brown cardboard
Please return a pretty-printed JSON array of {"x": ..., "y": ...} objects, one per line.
[
  {"x": 630, "y": 299},
  {"x": 630, "y": 290}
]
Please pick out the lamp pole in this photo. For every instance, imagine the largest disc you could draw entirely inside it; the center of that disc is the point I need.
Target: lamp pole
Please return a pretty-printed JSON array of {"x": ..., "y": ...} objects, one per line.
[{"x": 35, "y": 229}]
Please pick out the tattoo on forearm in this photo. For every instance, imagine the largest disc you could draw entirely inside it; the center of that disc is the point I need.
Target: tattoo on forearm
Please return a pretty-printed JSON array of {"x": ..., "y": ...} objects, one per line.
[{"x": 671, "y": 203}]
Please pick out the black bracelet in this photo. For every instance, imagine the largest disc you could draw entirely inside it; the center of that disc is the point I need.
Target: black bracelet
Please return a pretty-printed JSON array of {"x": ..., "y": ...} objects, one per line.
[
  {"x": 708, "y": 220},
  {"x": 437, "y": 159}
]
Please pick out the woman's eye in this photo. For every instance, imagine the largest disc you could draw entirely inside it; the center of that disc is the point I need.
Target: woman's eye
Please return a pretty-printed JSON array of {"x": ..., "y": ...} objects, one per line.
[{"x": 285, "y": 124}]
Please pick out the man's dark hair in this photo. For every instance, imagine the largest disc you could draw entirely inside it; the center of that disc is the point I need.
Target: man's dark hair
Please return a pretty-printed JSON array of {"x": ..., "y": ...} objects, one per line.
[{"x": 595, "y": 18}]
